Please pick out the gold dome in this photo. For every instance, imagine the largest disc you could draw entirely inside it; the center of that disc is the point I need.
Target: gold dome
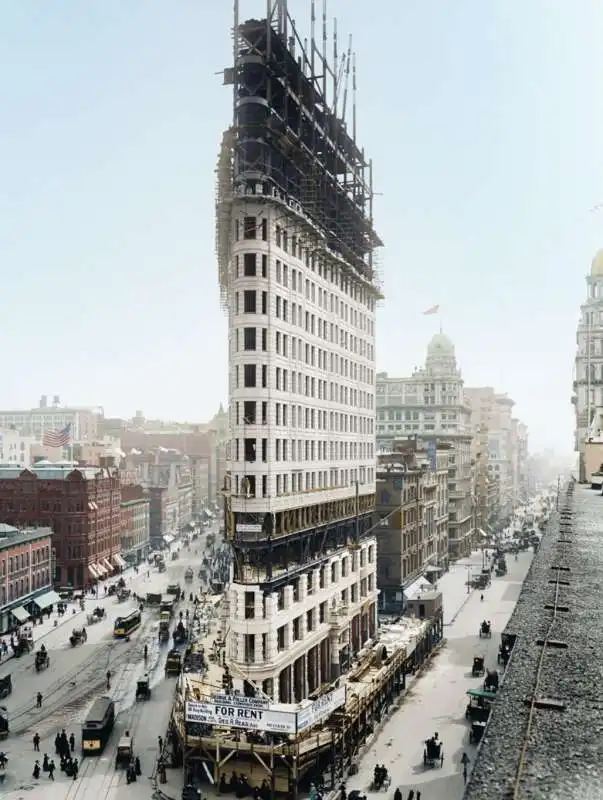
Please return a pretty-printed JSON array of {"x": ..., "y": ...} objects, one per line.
[{"x": 596, "y": 270}]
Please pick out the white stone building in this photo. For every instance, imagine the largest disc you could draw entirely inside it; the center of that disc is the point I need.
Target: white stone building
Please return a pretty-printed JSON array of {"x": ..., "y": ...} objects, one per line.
[
  {"x": 302, "y": 457},
  {"x": 430, "y": 405},
  {"x": 16, "y": 448},
  {"x": 588, "y": 368}
]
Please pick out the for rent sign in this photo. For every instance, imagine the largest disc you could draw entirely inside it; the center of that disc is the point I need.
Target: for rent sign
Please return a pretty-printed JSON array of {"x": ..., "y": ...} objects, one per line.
[{"x": 235, "y": 715}]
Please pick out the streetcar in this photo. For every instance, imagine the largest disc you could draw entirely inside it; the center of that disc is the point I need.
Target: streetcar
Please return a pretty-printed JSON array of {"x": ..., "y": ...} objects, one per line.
[
  {"x": 124, "y": 626},
  {"x": 97, "y": 726}
]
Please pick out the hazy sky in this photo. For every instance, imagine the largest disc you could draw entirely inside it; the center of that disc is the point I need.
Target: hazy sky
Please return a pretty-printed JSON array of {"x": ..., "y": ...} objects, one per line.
[{"x": 485, "y": 125}]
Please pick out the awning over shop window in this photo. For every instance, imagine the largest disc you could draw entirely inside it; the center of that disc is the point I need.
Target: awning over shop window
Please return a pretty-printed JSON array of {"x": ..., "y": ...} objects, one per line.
[
  {"x": 431, "y": 569},
  {"x": 101, "y": 570},
  {"x": 168, "y": 539},
  {"x": 93, "y": 571},
  {"x": 20, "y": 614},
  {"x": 47, "y": 599},
  {"x": 417, "y": 588},
  {"x": 118, "y": 561},
  {"x": 108, "y": 565}
]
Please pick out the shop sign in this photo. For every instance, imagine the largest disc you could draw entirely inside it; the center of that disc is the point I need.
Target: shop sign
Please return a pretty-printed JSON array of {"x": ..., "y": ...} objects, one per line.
[
  {"x": 242, "y": 528},
  {"x": 236, "y": 715},
  {"x": 321, "y": 709}
]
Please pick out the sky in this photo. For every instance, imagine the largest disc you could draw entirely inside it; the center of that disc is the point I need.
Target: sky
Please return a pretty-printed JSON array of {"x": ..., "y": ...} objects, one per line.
[{"x": 484, "y": 122}]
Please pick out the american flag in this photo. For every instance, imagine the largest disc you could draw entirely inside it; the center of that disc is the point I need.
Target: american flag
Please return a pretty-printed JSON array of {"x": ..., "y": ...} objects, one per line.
[{"x": 58, "y": 438}]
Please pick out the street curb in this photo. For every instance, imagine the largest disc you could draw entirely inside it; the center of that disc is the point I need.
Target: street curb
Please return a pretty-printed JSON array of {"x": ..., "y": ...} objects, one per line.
[{"x": 458, "y": 611}]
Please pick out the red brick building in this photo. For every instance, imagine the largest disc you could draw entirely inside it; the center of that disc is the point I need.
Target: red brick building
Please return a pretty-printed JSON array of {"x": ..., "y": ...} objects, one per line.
[
  {"x": 25, "y": 574},
  {"x": 80, "y": 504}
]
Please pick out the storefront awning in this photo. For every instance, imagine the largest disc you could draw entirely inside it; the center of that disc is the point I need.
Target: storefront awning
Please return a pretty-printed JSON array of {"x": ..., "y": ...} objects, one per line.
[
  {"x": 100, "y": 569},
  {"x": 93, "y": 571},
  {"x": 431, "y": 569},
  {"x": 109, "y": 566},
  {"x": 47, "y": 599},
  {"x": 20, "y": 614},
  {"x": 118, "y": 561},
  {"x": 168, "y": 539},
  {"x": 417, "y": 588}
]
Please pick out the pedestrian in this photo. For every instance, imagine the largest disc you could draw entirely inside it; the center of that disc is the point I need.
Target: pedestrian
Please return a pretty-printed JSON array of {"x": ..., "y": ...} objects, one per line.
[
  {"x": 57, "y": 744},
  {"x": 75, "y": 767},
  {"x": 36, "y": 742},
  {"x": 36, "y": 770},
  {"x": 39, "y": 700},
  {"x": 160, "y": 743},
  {"x": 51, "y": 769},
  {"x": 418, "y": 795},
  {"x": 398, "y": 794},
  {"x": 71, "y": 742}
]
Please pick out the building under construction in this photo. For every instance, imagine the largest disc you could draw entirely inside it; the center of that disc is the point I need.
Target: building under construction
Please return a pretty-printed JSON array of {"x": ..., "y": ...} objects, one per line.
[{"x": 295, "y": 244}]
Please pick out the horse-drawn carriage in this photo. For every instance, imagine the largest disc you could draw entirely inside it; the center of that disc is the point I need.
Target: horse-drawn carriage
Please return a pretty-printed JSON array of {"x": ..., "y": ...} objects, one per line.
[
  {"x": 78, "y": 636},
  {"x": 42, "y": 659},
  {"x": 123, "y": 595},
  {"x": 3, "y": 722},
  {"x": 24, "y": 644},
  {"x": 504, "y": 654},
  {"x": 476, "y": 731},
  {"x": 381, "y": 779},
  {"x": 189, "y": 574},
  {"x": 485, "y": 630},
  {"x": 491, "y": 681},
  {"x": 143, "y": 689},
  {"x": 433, "y": 753},
  {"x": 180, "y": 634},
  {"x": 6, "y": 686},
  {"x": 478, "y": 668},
  {"x": 479, "y": 705},
  {"x": 96, "y": 616}
]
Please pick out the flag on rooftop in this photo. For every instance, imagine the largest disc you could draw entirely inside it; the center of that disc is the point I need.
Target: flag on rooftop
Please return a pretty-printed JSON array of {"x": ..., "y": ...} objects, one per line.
[
  {"x": 432, "y": 310},
  {"x": 57, "y": 438}
]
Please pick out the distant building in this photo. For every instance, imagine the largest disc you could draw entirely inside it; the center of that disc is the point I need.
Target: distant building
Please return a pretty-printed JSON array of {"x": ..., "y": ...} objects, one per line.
[
  {"x": 430, "y": 404},
  {"x": 135, "y": 524},
  {"x": 412, "y": 504},
  {"x": 16, "y": 448},
  {"x": 82, "y": 507},
  {"x": 588, "y": 365},
  {"x": 25, "y": 573},
  {"x": 36, "y": 421}
]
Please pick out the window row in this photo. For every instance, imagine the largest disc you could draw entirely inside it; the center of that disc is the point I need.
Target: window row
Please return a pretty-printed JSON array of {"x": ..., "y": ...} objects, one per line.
[
  {"x": 297, "y": 482},
  {"x": 252, "y": 412},
  {"x": 298, "y": 450},
  {"x": 327, "y": 301},
  {"x": 254, "y": 376},
  {"x": 253, "y": 301},
  {"x": 252, "y": 228}
]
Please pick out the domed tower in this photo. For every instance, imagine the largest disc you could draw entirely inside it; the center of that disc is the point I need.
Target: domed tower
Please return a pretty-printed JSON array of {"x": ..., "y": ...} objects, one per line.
[
  {"x": 588, "y": 370},
  {"x": 441, "y": 357}
]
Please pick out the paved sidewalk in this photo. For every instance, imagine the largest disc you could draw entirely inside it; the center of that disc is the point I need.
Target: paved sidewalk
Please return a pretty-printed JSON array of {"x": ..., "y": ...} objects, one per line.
[{"x": 138, "y": 582}]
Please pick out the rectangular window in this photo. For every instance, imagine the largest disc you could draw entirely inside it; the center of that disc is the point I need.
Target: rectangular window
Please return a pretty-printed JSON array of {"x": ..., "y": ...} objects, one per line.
[
  {"x": 249, "y": 412},
  {"x": 249, "y": 228},
  {"x": 264, "y": 339},
  {"x": 264, "y": 302},
  {"x": 249, "y": 338},
  {"x": 249, "y": 373},
  {"x": 264, "y": 376},
  {"x": 264, "y": 412},
  {"x": 249, "y": 265},
  {"x": 265, "y": 231},
  {"x": 249, "y": 302},
  {"x": 264, "y": 266}
]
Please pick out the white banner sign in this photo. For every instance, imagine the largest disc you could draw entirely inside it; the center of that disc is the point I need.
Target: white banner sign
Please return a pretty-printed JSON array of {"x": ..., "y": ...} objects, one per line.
[
  {"x": 320, "y": 709},
  {"x": 241, "y": 700},
  {"x": 235, "y": 715},
  {"x": 242, "y": 528}
]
